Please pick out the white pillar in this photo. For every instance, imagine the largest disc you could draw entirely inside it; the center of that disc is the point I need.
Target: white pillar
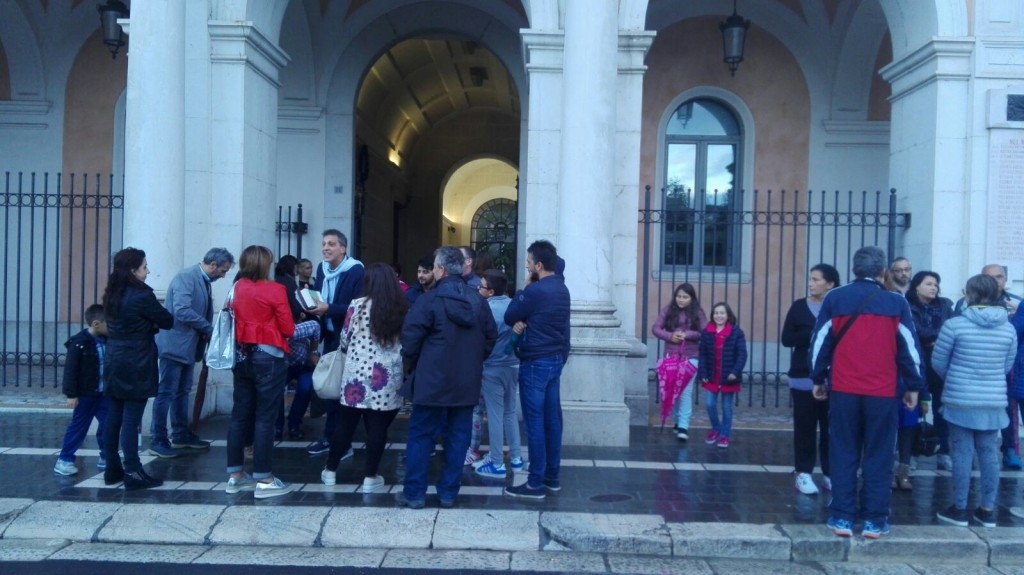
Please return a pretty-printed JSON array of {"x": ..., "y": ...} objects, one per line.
[
  {"x": 155, "y": 137},
  {"x": 588, "y": 148}
]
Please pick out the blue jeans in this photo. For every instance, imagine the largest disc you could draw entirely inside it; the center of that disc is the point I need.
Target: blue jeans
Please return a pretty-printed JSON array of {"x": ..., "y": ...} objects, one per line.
[
  {"x": 425, "y": 424},
  {"x": 963, "y": 444},
  {"x": 172, "y": 398},
  {"x": 539, "y": 393},
  {"x": 499, "y": 390},
  {"x": 88, "y": 408},
  {"x": 124, "y": 416},
  {"x": 683, "y": 409},
  {"x": 259, "y": 386},
  {"x": 723, "y": 427},
  {"x": 861, "y": 435},
  {"x": 300, "y": 401}
]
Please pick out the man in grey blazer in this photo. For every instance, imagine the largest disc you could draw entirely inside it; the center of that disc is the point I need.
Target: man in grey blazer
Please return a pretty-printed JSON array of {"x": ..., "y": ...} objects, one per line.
[{"x": 190, "y": 301}]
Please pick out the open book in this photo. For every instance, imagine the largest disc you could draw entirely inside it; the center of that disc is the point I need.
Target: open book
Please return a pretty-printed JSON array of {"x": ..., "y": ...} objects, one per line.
[{"x": 309, "y": 298}]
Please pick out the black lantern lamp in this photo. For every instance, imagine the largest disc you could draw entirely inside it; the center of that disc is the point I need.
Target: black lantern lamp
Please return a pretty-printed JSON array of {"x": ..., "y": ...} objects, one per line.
[
  {"x": 734, "y": 35},
  {"x": 113, "y": 36}
]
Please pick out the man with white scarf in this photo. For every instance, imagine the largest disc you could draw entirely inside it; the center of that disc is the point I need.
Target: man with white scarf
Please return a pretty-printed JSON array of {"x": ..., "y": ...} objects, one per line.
[{"x": 339, "y": 279}]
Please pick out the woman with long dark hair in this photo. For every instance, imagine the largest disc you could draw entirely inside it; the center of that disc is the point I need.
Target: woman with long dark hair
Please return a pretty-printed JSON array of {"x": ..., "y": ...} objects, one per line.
[
  {"x": 130, "y": 375},
  {"x": 263, "y": 324},
  {"x": 373, "y": 372},
  {"x": 679, "y": 325},
  {"x": 810, "y": 415},
  {"x": 930, "y": 312}
]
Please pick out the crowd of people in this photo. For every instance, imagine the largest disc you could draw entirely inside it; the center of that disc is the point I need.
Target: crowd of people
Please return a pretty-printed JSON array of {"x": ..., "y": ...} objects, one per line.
[
  {"x": 859, "y": 407},
  {"x": 454, "y": 346}
]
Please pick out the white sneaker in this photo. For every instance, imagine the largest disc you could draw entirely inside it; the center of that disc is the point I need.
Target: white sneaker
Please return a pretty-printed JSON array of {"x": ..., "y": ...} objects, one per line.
[
  {"x": 805, "y": 484},
  {"x": 272, "y": 489},
  {"x": 65, "y": 468},
  {"x": 826, "y": 483},
  {"x": 243, "y": 483},
  {"x": 328, "y": 477},
  {"x": 373, "y": 484},
  {"x": 1017, "y": 512}
]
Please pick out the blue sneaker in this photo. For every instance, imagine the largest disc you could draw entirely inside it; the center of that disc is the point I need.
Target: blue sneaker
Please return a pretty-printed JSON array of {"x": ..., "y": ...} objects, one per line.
[
  {"x": 841, "y": 527},
  {"x": 164, "y": 450},
  {"x": 874, "y": 530},
  {"x": 318, "y": 447},
  {"x": 517, "y": 463},
  {"x": 1011, "y": 461},
  {"x": 491, "y": 470}
]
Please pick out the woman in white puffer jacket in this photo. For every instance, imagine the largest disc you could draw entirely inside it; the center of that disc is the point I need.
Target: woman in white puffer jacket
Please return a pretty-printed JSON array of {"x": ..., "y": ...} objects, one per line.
[{"x": 973, "y": 354}]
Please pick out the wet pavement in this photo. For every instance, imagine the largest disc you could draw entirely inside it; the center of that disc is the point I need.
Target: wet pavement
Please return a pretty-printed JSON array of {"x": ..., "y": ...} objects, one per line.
[{"x": 750, "y": 482}]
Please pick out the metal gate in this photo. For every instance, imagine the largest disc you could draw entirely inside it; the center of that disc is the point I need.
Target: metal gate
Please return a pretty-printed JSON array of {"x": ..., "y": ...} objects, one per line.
[
  {"x": 60, "y": 232},
  {"x": 753, "y": 250}
]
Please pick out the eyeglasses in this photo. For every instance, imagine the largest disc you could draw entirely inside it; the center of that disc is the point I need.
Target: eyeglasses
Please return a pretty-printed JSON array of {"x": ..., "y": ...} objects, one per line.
[{"x": 482, "y": 287}]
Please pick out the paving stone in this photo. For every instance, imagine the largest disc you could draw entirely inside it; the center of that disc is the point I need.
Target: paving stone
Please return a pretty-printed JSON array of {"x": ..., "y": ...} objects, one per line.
[
  {"x": 565, "y": 562},
  {"x": 908, "y": 544},
  {"x": 159, "y": 523},
  {"x": 748, "y": 567},
  {"x": 1009, "y": 569},
  {"x": 382, "y": 527},
  {"x": 30, "y": 549},
  {"x": 1004, "y": 544},
  {"x": 815, "y": 543},
  {"x": 657, "y": 565},
  {"x": 73, "y": 520},
  {"x": 729, "y": 540},
  {"x": 10, "y": 507},
  {"x": 421, "y": 559},
  {"x": 129, "y": 553},
  {"x": 483, "y": 529},
  {"x": 269, "y": 525},
  {"x": 304, "y": 556},
  {"x": 606, "y": 533},
  {"x": 929, "y": 569},
  {"x": 865, "y": 569}
]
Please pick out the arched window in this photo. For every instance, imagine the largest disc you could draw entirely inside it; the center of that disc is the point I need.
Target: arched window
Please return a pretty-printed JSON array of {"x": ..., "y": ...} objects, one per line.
[
  {"x": 702, "y": 162},
  {"x": 494, "y": 235}
]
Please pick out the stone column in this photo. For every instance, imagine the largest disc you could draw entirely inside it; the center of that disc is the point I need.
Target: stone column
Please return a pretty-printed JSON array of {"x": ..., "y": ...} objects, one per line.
[{"x": 155, "y": 138}]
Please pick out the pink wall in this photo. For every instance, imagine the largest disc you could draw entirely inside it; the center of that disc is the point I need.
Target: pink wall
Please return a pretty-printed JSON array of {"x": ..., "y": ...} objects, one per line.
[{"x": 771, "y": 84}]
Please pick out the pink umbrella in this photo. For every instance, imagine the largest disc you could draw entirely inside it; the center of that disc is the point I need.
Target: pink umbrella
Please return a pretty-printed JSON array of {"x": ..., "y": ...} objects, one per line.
[{"x": 674, "y": 374}]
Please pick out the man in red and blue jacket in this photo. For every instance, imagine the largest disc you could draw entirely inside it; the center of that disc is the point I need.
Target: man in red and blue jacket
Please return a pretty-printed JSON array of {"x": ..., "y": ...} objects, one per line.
[{"x": 876, "y": 360}]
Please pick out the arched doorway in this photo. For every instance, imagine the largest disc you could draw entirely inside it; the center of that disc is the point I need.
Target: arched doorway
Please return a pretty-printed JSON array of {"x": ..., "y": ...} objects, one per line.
[{"x": 493, "y": 235}]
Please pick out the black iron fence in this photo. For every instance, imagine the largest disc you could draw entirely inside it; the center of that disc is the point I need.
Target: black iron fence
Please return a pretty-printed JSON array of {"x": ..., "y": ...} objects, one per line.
[
  {"x": 59, "y": 233},
  {"x": 753, "y": 250},
  {"x": 289, "y": 225}
]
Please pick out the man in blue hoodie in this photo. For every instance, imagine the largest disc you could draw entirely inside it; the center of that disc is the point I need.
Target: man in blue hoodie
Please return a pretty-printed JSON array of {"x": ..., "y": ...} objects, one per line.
[
  {"x": 446, "y": 337},
  {"x": 539, "y": 313}
]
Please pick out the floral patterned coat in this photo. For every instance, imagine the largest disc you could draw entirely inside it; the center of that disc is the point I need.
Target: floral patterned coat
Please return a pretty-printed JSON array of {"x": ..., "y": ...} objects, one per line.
[{"x": 373, "y": 374}]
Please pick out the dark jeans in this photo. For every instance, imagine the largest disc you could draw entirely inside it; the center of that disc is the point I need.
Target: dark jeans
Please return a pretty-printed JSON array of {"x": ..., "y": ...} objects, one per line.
[
  {"x": 810, "y": 432},
  {"x": 81, "y": 418},
  {"x": 1009, "y": 433},
  {"x": 376, "y": 423},
  {"x": 172, "y": 399},
  {"x": 124, "y": 416},
  {"x": 941, "y": 427},
  {"x": 862, "y": 433},
  {"x": 539, "y": 393},
  {"x": 259, "y": 386},
  {"x": 300, "y": 401},
  {"x": 425, "y": 424}
]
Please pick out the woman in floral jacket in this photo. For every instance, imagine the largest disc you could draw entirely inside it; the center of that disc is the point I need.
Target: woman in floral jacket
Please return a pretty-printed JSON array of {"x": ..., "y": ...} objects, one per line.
[{"x": 373, "y": 372}]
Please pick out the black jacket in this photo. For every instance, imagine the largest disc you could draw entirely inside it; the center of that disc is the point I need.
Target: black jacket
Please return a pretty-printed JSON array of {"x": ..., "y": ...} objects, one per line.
[
  {"x": 796, "y": 333},
  {"x": 82, "y": 366},
  {"x": 544, "y": 306},
  {"x": 130, "y": 370},
  {"x": 445, "y": 339}
]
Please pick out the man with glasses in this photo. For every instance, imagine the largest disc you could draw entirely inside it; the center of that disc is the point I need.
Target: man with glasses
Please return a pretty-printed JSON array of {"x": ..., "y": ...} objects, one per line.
[
  {"x": 190, "y": 301},
  {"x": 901, "y": 273}
]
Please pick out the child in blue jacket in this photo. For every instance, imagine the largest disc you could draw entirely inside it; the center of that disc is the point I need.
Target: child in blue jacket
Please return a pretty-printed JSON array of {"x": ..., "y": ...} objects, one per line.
[{"x": 723, "y": 353}]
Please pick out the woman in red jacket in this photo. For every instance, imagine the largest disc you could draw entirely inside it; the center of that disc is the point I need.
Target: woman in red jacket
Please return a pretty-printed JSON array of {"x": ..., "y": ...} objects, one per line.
[{"x": 263, "y": 324}]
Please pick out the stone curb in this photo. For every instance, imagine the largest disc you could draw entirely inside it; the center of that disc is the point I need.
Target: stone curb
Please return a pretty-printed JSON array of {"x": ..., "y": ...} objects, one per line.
[{"x": 520, "y": 537}]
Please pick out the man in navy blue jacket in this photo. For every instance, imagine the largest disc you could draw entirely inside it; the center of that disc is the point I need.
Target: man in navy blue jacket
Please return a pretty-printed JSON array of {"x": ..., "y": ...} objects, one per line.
[
  {"x": 339, "y": 279},
  {"x": 539, "y": 314}
]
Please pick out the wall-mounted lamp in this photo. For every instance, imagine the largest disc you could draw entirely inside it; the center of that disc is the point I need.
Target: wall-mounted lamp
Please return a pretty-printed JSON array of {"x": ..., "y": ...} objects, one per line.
[
  {"x": 451, "y": 229},
  {"x": 113, "y": 35},
  {"x": 734, "y": 35},
  {"x": 395, "y": 158}
]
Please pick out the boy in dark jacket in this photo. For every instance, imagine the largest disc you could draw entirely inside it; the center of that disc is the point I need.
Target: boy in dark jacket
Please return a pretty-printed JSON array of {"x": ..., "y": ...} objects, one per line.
[{"x": 83, "y": 386}]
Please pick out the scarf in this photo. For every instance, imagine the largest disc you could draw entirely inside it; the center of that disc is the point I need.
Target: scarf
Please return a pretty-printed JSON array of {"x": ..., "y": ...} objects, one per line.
[{"x": 331, "y": 279}]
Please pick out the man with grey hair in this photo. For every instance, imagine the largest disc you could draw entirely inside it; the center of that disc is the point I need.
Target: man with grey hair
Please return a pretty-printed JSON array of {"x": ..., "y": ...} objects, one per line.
[
  {"x": 865, "y": 348},
  {"x": 445, "y": 339},
  {"x": 190, "y": 301}
]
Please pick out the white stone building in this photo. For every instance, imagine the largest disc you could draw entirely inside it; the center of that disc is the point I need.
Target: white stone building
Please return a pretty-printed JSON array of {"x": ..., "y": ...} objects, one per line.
[{"x": 399, "y": 121}]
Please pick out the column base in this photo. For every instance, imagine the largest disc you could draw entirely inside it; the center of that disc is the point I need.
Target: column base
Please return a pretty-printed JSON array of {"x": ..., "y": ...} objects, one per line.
[{"x": 597, "y": 424}]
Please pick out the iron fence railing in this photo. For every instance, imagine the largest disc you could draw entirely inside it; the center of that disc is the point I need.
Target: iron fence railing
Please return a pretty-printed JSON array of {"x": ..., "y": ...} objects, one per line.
[
  {"x": 59, "y": 234},
  {"x": 286, "y": 227},
  {"x": 753, "y": 250}
]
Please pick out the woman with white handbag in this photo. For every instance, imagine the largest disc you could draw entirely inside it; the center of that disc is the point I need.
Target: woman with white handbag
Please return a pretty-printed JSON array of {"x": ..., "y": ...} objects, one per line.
[{"x": 372, "y": 372}]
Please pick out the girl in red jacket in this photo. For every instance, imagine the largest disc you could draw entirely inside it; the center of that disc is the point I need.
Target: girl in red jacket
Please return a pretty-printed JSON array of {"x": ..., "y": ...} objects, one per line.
[{"x": 723, "y": 353}]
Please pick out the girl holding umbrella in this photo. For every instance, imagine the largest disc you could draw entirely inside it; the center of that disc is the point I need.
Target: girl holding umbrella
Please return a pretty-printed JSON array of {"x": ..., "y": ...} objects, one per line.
[{"x": 679, "y": 325}]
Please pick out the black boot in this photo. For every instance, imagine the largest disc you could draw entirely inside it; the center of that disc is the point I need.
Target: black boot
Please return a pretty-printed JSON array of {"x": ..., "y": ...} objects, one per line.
[
  {"x": 113, "y": 474},
  {"x": 139, "y": 480}
]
